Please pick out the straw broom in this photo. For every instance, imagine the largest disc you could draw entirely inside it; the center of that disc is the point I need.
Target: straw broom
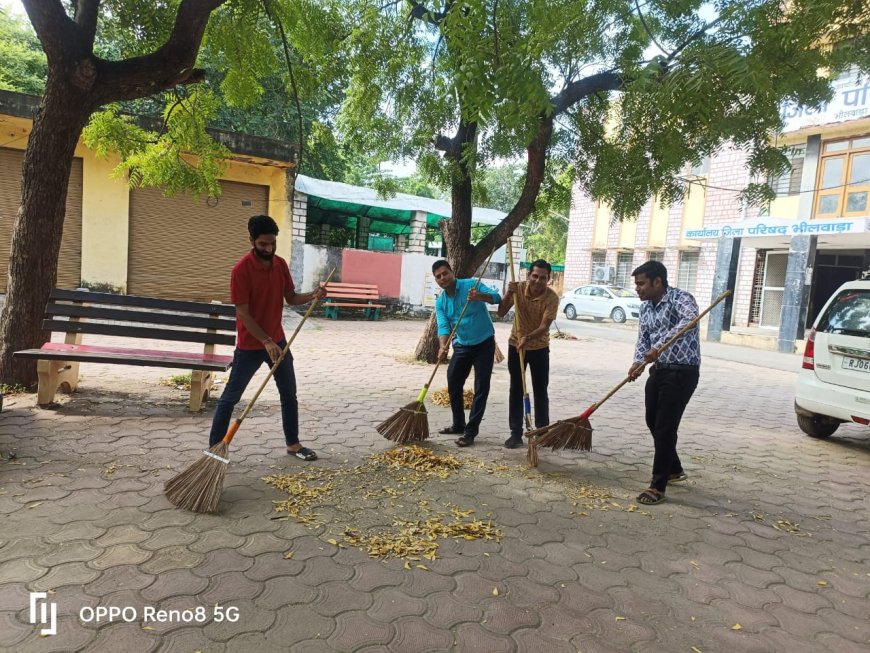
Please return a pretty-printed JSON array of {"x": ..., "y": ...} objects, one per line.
[
  {"x": 576, "y": 432},
  {"x": 411, "y": 422},
  {"x": 198, "y": 488}
]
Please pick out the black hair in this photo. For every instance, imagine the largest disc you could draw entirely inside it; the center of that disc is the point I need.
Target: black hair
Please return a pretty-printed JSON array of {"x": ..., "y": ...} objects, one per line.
[
  {"x": 653, "y": 270},
  {"x": 541, "y": 263},
  {"x": 261, "y": 224},
  {"x": 440, "y": 263}
]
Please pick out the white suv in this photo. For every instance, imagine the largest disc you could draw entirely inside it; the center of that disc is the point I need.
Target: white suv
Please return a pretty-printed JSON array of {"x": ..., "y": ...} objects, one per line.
[{"x": 834, "y": 383}]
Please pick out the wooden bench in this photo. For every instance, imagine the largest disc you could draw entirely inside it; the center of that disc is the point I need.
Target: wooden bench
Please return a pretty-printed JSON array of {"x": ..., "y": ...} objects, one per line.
[
  {"x": 77, "y": 312},
  {"x": 352, "y": 295}
]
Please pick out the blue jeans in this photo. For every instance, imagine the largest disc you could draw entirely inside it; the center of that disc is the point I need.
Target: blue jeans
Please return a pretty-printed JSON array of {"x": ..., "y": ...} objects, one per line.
[
  {"x": 480, "y": 358},
  {"x": 245, "y": 365}
]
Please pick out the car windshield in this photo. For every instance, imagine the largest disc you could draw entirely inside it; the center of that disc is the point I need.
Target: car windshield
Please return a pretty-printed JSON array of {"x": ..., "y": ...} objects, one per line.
[
  {"x": 622, "y": 292},
  {"x": 848, "y": 314}
]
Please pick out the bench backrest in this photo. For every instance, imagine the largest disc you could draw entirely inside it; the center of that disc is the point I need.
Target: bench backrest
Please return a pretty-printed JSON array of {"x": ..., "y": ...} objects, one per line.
[
  {"x": 360, "y": 291},
  {"x": 124, "y": 315}
]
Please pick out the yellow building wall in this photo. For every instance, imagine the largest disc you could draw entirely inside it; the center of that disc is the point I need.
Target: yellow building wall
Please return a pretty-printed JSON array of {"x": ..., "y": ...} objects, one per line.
[
  {"x": 658, "y": 225},
  {"x": 106, "y": 205},
  {"x": 693, "y": 212},
  {"x": 602, "y": 226},
  {"x": 785, "y": 207},
  {"x": 105, "y": 222},
  {"x": 627, "y": 234}
]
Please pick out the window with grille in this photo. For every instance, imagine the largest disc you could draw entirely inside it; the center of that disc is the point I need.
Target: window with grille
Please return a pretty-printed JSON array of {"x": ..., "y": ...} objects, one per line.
[
  {"x": 701, "y": 168},
  {"x": 655, "y": 255},
  {"x": 687, "y": 273},
  {"x": 790, "y": 183},
  {"x": 757, "y": 287},
  {"x": 598, "y": 259},
  {"x": 623, "y": 269}
]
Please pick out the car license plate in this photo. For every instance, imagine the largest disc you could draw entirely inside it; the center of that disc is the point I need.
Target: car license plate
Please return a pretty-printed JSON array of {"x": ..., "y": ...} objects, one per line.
[{"x": 859, "y": 364}]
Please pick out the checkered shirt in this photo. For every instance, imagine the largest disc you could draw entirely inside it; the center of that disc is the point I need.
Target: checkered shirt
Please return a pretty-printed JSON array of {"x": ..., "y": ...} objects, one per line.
[{"x": 660, "y": 322}]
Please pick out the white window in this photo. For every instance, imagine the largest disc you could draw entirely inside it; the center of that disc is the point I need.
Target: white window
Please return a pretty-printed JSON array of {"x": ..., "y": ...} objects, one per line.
[
  {"x": 790, "y": 183},
  {"x": 598, "y": 259},
  {"x": 687, "y": 274}
]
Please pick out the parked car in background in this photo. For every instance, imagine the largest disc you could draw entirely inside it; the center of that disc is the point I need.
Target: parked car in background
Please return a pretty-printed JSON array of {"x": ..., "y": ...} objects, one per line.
[
  {"x": 834, "y": 381},
  {"x": 599, "y": 302}
]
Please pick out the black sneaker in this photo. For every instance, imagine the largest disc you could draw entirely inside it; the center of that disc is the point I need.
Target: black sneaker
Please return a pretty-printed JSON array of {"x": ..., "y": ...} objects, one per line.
[{"x": 513, "y": 442}]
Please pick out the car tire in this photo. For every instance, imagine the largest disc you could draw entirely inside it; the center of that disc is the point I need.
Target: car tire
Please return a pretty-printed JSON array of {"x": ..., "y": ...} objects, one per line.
[
  {"x": 617, "y": 315},
  {"x": 570, "y": 312},
  {"x": 817, "y": 426}
]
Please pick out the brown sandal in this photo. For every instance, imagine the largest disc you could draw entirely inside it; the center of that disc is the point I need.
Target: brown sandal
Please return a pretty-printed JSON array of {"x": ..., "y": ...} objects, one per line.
[{"x": 651, "y": 497}]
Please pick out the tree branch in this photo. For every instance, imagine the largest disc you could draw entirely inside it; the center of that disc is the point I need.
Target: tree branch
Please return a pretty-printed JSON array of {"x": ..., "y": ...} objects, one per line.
[
  {"x": 646, "y": 27},
  {"x": 169, "y": 65},
  {"x": 54, "y": 28},
  {"x": 424, "y": 14},
  {"x": 576, "y": 91},
  {"x": 87, "y": 12}
]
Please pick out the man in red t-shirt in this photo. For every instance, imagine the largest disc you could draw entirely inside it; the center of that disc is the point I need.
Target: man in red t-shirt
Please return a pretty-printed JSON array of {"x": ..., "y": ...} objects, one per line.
[{"x": 259, "y": 284}]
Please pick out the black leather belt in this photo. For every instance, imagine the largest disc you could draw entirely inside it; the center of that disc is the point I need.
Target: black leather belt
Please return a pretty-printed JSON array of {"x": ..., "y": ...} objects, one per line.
[{"x": 675, "y": 366}]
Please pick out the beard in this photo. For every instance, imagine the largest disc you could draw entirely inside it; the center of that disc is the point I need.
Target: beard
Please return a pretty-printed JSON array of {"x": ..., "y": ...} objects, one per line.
[{"x": 263, "y": 256}]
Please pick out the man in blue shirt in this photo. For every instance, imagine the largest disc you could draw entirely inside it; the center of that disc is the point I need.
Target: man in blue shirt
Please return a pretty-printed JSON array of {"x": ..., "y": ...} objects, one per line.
[
  {"x": 673, "y": 376},
  {"x": 473, "y": 346}
]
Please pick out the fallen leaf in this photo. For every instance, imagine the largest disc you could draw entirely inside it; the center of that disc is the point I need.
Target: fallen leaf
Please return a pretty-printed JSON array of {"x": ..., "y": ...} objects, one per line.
[
  {"x": 495, "y": 591},
  {"x": 288, "y": 555},
  {"x": 736, "y": 627},
  {"x": 620, "y": 618},
  {"x": 422, "y": 567},
  {"x": 822, "y": 583},
  {"x": 332, "y": 541}
]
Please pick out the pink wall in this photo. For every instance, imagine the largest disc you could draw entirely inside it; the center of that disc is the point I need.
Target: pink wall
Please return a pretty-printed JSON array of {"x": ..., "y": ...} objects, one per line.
[{"x": 381, "y": 268}]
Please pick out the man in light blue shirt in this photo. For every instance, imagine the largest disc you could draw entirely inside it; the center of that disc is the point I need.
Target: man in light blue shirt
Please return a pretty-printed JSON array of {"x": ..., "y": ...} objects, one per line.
[{"x": 473, "y": 346}]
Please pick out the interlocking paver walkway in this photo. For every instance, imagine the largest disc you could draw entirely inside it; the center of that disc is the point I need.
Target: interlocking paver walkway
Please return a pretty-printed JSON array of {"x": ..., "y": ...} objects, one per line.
[{"x": 771, "y": 531}]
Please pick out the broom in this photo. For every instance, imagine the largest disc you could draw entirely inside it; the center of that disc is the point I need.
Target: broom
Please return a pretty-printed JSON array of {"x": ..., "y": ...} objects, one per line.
[
  {"x": 198, "y": 488},
  {"x": 411, "y": 422},
  {"x": 576, "y": 432}
]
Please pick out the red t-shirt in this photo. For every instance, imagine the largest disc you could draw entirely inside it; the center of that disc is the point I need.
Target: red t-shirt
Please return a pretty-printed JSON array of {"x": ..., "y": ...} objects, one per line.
[{"x": 263, "y": 290}]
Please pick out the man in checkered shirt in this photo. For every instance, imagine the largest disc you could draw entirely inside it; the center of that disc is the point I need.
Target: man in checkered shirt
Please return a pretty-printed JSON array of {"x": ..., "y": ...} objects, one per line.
[{"x": 673, "y": 375}]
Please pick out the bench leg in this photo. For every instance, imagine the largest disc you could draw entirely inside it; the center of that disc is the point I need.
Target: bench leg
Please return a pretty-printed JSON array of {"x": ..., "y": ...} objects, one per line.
[
  {"x": 54, "y": 374},
  {"x": 200, "y": 385}
]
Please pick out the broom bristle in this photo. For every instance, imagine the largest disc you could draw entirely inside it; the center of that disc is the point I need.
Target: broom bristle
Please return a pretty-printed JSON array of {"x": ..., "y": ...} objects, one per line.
[
  {"x": 532, "y": 453},
  {"x": 573, "y": 433},
  {"x": 198, "y": 488},
  {"x": 409, "y": 424},
  {"x": 499, "y": 355}
]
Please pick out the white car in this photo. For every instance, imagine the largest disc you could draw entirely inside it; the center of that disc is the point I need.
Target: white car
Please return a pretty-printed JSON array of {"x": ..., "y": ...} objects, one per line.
[
  {"x": 600, "y": 302},
  {"x": 834, "y": 381}
]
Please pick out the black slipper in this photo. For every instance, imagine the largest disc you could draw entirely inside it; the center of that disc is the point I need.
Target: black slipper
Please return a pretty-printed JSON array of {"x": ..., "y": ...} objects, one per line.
[
  {"x": 304, "y": 454},
  {"x": 464, "y": 442},
  {"x": 450, "y": 430},
  {"x": 651, "y": 497}
]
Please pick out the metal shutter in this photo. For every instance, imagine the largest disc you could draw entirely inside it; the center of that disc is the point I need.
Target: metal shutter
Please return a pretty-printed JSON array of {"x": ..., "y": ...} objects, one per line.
[
  {"x": 182, "y": 248},
  {"x": 69, "y": 264}
]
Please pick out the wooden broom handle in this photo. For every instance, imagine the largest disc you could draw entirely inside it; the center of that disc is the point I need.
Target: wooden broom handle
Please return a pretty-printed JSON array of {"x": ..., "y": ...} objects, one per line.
[
  {"x": 453, "y": 330},
  {"x": 670, "y": 342},
  {"x": 231, "y": 432},
  {"x": 521, "y": 353}
]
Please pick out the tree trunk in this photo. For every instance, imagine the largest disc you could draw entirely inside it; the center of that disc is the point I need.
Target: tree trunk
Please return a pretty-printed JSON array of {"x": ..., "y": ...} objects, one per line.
[
  {"x": 36, "y": 236},
  {"x": 427, "y": 346}
]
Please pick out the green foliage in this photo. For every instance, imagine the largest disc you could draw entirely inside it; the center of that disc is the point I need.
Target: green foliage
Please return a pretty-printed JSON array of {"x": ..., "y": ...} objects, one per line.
[
  {"x": 693, "y": 77},
  {"x": 22, "y": 63},
  {"x": 181, "y": 157}
]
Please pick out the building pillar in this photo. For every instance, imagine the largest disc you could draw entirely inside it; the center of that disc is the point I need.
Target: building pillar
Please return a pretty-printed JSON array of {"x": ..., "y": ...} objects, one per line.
[
  {"x": 795, "y": 300},
  {"x": 324, "y": 234},
  {"x": 801, "y": 257},
  {"x": 362, "y": 232},
  {"x": 724, "y": 278},
  {"x": 299, "y": 220},
  {"x": 416, "y": 241}
]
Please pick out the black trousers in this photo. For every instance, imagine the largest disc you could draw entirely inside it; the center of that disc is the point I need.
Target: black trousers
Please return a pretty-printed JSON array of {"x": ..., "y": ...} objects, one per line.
[
  {"x": 667, "y": 394},
  {"x": 538, "y": 362},
  {"x": 480, "y": 357}
]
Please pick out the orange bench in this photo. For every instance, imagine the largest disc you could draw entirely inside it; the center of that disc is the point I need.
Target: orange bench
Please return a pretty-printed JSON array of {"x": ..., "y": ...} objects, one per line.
[{"x": 352, "y": 295}]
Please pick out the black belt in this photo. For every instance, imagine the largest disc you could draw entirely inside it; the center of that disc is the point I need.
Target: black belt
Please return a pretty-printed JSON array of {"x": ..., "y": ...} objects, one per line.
[{"x": 675, "y": 366}]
